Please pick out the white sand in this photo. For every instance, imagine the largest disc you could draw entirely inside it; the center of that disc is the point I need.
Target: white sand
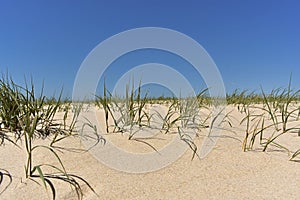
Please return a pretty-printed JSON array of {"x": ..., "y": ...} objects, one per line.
[{"x": 226, "y": 173}]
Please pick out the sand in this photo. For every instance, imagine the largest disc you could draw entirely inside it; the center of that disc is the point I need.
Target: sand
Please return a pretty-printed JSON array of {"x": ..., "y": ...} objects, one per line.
[{"x": 226, "y": 173}]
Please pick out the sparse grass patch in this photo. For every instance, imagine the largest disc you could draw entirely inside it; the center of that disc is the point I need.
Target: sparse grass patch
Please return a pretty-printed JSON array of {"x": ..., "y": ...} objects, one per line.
[
  {"x": 265, "y": 118},
  {"x": 31, "y": 116},
  {"x": 280, "y": 108},
  {"x": 130, "y": 114}
]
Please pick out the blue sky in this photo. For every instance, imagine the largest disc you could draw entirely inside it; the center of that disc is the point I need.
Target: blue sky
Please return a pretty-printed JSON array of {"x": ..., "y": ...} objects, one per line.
[{"x": 253, "y": 43}]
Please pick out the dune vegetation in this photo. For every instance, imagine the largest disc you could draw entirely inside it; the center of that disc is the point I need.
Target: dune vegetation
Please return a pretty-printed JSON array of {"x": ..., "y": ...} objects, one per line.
[{"x": 26, "y": 116}]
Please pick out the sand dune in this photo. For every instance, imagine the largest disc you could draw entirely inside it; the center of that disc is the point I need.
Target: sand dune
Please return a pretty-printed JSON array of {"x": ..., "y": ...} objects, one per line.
[{"x": 226, "y": 173}]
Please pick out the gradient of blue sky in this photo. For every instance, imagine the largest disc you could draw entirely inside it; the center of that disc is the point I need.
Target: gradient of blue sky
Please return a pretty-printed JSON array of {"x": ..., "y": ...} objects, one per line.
[{"x": 252, "y": 42}]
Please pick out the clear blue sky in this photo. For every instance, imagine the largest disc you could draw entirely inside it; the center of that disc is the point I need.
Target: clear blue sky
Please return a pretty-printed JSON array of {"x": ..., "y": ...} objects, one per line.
[{"x": 253, "y": 42}]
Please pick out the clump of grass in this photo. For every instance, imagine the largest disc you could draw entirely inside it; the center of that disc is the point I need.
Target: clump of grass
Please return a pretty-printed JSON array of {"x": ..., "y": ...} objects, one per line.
[
  {"x": 254, "y": 127},
  {"x": 9, "y": 110},
  {"x": 278, "y": 107},
  {"x": 125, "y": 112},
  {"x": 134, "y": 112},
  {"x": 170, "y": 119},
  {"x": 29, "y": 116},
  {"x": 281, "y": 112},
  {"x": 189, "y": 111},
  {"x": 67, "y": 130},
  {"x": 105, "y": 102},
  {"x": 242, "y": 99}
]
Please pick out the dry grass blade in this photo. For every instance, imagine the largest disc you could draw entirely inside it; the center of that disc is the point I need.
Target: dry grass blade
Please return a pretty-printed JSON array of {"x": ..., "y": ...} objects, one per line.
[
  {"x": 189, "y": 141},
  {"x": 297, "y": 153},
  {"x": 144, "y": 142},
  {"x": 98, "y": 137}
]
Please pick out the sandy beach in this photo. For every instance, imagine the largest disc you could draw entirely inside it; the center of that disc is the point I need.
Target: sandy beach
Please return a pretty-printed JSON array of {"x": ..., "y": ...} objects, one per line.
[
  {"x": 149, "y": 100},
  {"x": 226, "y": 173}
]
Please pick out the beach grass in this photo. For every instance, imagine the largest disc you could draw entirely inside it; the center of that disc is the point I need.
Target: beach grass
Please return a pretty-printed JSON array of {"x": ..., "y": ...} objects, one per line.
[
  {"x": 29, "y": 116},
  {"x": 26, "y": 116}
]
